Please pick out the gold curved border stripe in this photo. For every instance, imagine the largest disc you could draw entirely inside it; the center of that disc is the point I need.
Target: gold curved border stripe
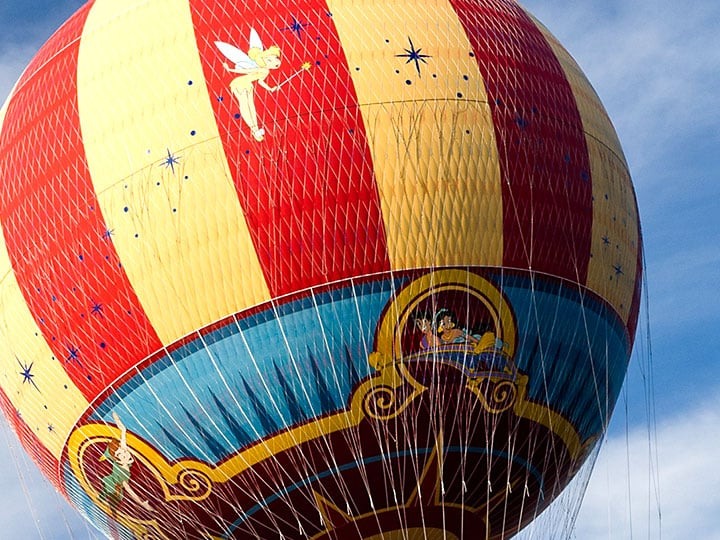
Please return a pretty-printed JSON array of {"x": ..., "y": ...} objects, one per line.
[
  {"x": 197, "y": 478},
  {"x": 545, "y": 416},
  {"x": 393, "y": 377},
  {"x": 506, "y": 393}
]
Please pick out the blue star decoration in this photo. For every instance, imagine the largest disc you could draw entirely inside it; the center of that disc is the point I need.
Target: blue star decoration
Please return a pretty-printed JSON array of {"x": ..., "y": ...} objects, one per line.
[
  {"x": 296, "y": 27},
  {"x": 27, "y": 374},
  {"x": 522, "y": 122},
  {"x": 96, "y": 308},
  {"x": 414, "y": 55},
  {"x": 108, "y": 233},
  {"x": 73, "y": 355},
  {"x": 170, "y": 161},
  {"x": 618, "y": 269}
]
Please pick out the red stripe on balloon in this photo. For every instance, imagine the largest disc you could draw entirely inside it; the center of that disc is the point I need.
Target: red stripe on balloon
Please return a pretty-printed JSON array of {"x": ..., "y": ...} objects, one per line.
[
  {"x": 637, "y": 292},
  {"x": 59, "y": 245},
  {"x": 30, "y": 441},
  {"x": 307, "y": 190},
  {"x": 547, "y": 190}
]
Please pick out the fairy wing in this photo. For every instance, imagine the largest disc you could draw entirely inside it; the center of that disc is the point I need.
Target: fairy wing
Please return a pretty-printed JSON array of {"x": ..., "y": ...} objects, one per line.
[
  {"x": 235, "y": 55},
  {"x": 255, "y": 40}
]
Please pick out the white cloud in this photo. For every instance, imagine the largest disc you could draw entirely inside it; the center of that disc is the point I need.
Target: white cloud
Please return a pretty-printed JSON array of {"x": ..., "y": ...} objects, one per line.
[
  {"x": 648, "y": 484},
  {"x": 621, "y": 496}
]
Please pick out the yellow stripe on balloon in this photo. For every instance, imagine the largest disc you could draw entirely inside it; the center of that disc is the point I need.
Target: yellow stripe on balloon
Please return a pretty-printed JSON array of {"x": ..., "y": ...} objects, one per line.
[
  {"x": 615, "y": 232},
  {"x": 162, "y": 179},
  {"x": 430, "y": 131},
  {"x": 32, "y": 378}
]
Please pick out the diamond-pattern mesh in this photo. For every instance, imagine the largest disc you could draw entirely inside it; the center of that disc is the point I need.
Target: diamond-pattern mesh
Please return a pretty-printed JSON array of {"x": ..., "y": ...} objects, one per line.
[{"x": 207, "y": 248}]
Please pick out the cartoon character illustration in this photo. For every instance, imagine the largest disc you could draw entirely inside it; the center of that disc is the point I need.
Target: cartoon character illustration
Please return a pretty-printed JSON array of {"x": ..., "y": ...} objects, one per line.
[
  {"x": 423, "y": 322},
  {"x": 482, "y": 350},
  {"x": 117, "y": 483},
  {"x": 253, "y": 67},
  {"x": 449, "y": 332}
]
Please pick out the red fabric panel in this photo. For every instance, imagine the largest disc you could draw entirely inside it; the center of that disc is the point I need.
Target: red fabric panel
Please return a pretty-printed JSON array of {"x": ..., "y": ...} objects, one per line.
[
  {"x": 547, "y": 189},
  {"x": 56, "y": 236},
  {"x": 307, "y": 190},
  {"x": 637, "y": 292}
]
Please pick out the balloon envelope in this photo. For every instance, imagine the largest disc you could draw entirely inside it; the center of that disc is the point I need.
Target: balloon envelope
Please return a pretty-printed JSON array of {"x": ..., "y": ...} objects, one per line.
[{"x": 312, "y": 269}]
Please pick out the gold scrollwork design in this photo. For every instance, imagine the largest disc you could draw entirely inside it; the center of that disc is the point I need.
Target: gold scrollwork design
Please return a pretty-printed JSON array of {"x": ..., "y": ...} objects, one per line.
[
  {"x": 389, "y": 394},
  {"x": 380, "y": 403},
  {"x": 385, "y": 403},
  {"x": 496, "y": 395},
  {"x": 195, "y": 483}
]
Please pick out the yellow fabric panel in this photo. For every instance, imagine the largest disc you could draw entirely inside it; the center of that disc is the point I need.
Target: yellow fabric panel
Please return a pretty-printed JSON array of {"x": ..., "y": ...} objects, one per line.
[
  {"x": 615, "y": 234},
  {"x": 47, "y": 399},
  {"x": 162, "y": 179},
  {"x": 431, "y": 134}
]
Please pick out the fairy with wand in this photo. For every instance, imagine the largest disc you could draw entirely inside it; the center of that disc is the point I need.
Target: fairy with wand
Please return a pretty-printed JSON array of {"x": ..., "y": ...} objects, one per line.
[{"x": 253, "y": 67}]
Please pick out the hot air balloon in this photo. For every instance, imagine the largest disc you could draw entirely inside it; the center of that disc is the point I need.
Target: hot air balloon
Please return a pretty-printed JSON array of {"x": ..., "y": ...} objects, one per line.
[{"x": 326, "y": 270}]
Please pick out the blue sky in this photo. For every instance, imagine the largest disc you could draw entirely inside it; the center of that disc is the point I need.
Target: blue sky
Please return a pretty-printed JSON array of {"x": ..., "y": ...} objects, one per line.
[{"x": 656, "y": 66}]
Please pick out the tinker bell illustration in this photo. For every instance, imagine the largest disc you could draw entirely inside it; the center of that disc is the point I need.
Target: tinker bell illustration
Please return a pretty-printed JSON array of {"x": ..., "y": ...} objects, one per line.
[{"x": 253, "y": 67}]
